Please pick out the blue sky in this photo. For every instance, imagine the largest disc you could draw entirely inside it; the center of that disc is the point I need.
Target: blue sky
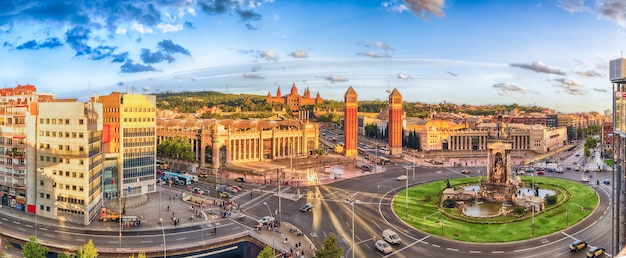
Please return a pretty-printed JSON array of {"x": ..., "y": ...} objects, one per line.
[{"x": 552, "y": 53}]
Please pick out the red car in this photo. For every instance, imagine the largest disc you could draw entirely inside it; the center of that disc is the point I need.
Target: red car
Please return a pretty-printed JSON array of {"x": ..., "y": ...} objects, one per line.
[{"x": 540, "y": 173}]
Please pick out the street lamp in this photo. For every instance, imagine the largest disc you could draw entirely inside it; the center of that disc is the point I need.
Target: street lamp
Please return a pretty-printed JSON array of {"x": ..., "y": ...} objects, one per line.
[
  {"x": 352, "y": 202},
  {"x": 163, "y": 231},
  {"x": 273, "y": 231},
  {"x": 406, "y": 195}
]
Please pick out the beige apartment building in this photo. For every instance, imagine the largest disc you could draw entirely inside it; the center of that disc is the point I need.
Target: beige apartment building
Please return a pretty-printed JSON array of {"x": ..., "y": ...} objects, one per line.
[
  {"x": 129, "y": 122},
  {"x": 69, "y": 160}
]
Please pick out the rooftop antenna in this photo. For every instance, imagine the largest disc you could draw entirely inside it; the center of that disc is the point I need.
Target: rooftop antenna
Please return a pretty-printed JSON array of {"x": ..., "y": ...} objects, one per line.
[{"x": 388, "y": 87}]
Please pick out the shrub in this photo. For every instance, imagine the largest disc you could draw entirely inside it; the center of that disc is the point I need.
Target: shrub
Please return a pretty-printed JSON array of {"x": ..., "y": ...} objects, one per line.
[
  {"x": 449, "y": 203},
  {"x": 551, "y": 199},
  {"x": 519, "y": 210}
]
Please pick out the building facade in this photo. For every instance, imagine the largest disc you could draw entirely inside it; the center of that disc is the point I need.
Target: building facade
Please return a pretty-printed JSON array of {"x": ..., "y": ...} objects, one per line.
[
  {"x": 130, "y": 133},
  {"x": 69, "y": 161},
  {"x": 350, "y": 123},
  {"x": 617, "y": 76},
  {"x": 395, "y": 123},
  {"x": 294, "y": 100},
  {"x": 225, "y": 141}
]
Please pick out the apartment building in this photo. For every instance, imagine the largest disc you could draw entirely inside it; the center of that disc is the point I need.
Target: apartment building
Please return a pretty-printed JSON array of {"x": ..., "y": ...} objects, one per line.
[
  {"x": 129, "y": 122},
  {"x": 69, "y": 160}
]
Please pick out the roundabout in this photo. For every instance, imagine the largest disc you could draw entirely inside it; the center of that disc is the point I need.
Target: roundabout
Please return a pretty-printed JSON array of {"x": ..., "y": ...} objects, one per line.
[{"x": 426, "y": 213}]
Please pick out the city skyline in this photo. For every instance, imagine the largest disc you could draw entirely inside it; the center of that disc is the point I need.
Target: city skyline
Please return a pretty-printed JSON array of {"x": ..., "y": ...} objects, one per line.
[{"x": 478, "y": 52}]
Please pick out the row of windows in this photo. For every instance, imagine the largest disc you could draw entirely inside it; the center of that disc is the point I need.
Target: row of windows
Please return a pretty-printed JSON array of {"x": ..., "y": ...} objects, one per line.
[
  {"x": 59, "y": 160},
  {"x": 139, "y": 132},
  {"x": 138, "y": 162},
  {"x": 70, "y": 200},
  {"x": 61, "y": 134},
  {"x": 129, "y": 143},
  {"x": 79, "y": 188},
  {"x": 61, "y": 147},
  {"x": 132, "y": 173},
  {"x": 60, "y": 121},
  {"x": 139, "y": 119},
  {"x": 71, "y": 211},
  {"x": 67, "y": 174},
  {"x": 138, "y": 109}
]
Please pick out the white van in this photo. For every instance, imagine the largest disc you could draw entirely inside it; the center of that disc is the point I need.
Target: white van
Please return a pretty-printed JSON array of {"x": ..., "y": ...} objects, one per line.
[{"x": 391, "y": 237}]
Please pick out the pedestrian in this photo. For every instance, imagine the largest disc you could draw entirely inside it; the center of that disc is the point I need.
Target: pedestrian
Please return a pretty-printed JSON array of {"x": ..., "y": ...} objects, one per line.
[{"x": 250, "y": 194}]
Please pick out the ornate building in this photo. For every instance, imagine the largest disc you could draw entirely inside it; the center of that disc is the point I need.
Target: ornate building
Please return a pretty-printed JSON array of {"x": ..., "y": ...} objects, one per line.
[
  {"x": 350, "y": 123},
  {"x": 293, "y": 99},
  {"x": 395, "y": 123},
  {"x": 226, "y": 141}
]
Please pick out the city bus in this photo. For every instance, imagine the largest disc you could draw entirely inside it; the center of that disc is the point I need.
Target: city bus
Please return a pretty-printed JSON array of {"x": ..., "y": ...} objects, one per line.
[{"x": 176, "y": 178}]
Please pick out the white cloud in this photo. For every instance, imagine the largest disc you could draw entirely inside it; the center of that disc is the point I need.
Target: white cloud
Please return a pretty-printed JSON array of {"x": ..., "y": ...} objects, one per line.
[
  {"x": 120, "y": 31},
  {"x": 269, "y": 55},
  {"x": 165, "y": 28},
  {"x": 419, "y": 7},
  {"x": 299, "y": 54},
  {"x": 191, "y": 11},
  {"x": 140, "y": 28}
]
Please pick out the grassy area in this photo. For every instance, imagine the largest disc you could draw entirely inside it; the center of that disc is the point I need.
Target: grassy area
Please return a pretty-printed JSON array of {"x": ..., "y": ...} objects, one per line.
[{"x": 426, "y": 214}]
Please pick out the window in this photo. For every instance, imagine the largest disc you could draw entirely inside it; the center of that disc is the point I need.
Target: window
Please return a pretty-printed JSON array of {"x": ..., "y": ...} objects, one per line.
[
  {"x": 67, "y": 173},
  {"x": 40, "y": 133},
  {"x": 47, "y": 133},
  {"x": 67, "y": 121},
  {"x": 67, "y": 147},
  {"x": 73, "y": 135},
  {"x": 73, "y": 174},
  {"x": 41, "y": 195},
  {"x": 41, "y": 183},
  {"x": 54, "y": 172},
  {"x": 60, "y": 147},
  {"x": 81, "y": 162},
  {"x": 80, "y": 175},
  {"x": 54, "y": 134},
  {"x": 74, "y": 187},
  {"x": 81, "y": 121},
  {"x": 81, "y": 148},
  {"x": 80, "y": 135},
  {"x": 41, "y": 120},
  {"x": 54, "y": 121},
  {"x": 40, "y": 158},
  {"x": 48, "y": 196},
  {"x": 80, "y": 189}
]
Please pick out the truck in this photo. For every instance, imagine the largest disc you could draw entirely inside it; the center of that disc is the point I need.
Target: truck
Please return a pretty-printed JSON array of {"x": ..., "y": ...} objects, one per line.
[
  {"x": 108, "y": 215},
  {"x": 194, "y": 178}
]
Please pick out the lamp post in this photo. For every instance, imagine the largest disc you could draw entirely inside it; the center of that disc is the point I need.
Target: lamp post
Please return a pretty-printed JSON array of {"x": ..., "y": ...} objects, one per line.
[
  {"x": 273, "y": 231},
  {"x": 406, "y": 194},
  {"x": 163, "y": 232},
  {"x": 352, "y": 202},
  {"x": 533, "y": 211}
]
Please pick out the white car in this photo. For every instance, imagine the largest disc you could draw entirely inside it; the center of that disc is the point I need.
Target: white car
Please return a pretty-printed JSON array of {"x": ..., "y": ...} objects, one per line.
[
  {"x": 266, "y": 219},
  {"x": 584, "y": 179},
  {"x": 382, "y": 246},
  {"x": 401, "y": 178}
]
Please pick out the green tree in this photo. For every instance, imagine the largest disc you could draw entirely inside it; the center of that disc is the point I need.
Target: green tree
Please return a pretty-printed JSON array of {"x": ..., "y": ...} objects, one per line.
[
  {"x": 329, "y": 248},
  {"x": 33, "y": 249},
  {"x": 176, "y": 147},
  {"x": 267, "y": 252},
  {"x": 519, "y": 210},
  {"x": 551, "y": 199},
  {"x": 449, "y": 203},
  {"x": 139, "y": 255},
  {"x": 66, "y": 255},
  {"x": 88, "y": 250}
]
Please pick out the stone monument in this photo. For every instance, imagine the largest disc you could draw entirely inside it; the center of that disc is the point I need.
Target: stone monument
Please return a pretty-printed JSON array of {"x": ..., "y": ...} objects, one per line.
[{"x": 497, "y": 186}]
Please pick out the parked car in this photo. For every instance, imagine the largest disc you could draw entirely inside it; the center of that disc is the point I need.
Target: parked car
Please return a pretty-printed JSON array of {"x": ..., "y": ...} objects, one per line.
[
  {"x": 383, "y": 247},
  {"x": 559, "y": 170},
  {"x": 606, "y": 181},
  {"x": 240, "y": 179},
  {"x": 528, "y": 169},
  {"x": 366, "y": 168},
  {"x": 577, "y": 168},
  {"x": 466, "y": 171},
  {"x": 540, "y": 173},
  {"x": 577, "y": 245},
  {"x": 306, "y": 207},
  {"x": 550, "y": 170},
  {"x": 584, "y": 179},
  {"x": 401, "y": 177}
]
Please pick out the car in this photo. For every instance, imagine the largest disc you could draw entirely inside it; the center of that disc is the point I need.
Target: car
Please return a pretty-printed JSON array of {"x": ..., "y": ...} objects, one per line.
[
  {"x": 236, "y": 188},
  {"x": 401, "y": 178},
  {"x": 266, "y": 219},
  {"x": 366, "y": 168},
  {"x": 597, "y": 169},
  {"x": 233, "y": 189},
  {"x": 306, "y": 207},
  {"x": 577, "y": 168},
  {"x": 584, "y": 179},
  {"x": 540, "y": 173},
  {"x": 198, "y": 190},
  {"x": 550, "y": 170},
  {"x": 391, "y": 237},
  {"x": 226, "y": 195},
  {"x": 520, "y": 172},
  {"x": 528, "y": 169},
  {"x": 383, "y": 247},
  {"x": 240, "y": 179},
  {"x": 577, "y": 245},
  {"x": 606, "y": 181},
  {"x": 595, "y": 251},
  {"x": 538, "y": 169},
  {"x": 568, "y": 168},
  {"x": 559, "y": 170},
  {"x": 466, "y": 171}
]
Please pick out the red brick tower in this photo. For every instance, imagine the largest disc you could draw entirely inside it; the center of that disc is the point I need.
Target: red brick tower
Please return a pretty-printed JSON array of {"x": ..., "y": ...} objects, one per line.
[
  {"x": 395, "y": 123},
  {"x": 350, "y": 123}
]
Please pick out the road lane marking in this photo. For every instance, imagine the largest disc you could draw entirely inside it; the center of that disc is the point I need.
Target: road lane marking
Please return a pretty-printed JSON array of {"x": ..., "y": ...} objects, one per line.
[
  {"x": 180, "y": 238},
  {"x": 5, "y": 219},
  {"x": 48, "y": 235},
  {"x": 497, "y": 252},
  {"x": 452, "y": 249},
  {"x": 43, "y": 229},
  {"x": 436, "y": 245},
  {"x": 30, "y": 226},
  {"x": 148, "y": 241},
  {"x": 17, "y": 222},
  {"x": 475, "y": 252},
  {"x": 113, "y": 242}
]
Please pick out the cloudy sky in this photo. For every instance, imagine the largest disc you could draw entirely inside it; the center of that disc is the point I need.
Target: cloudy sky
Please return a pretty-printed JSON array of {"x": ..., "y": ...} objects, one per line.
[{"x": 552, "y": 53}]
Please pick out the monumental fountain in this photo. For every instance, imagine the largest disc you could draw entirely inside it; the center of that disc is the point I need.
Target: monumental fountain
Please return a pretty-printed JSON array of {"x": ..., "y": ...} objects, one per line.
[{"x": 498, "y": 186}]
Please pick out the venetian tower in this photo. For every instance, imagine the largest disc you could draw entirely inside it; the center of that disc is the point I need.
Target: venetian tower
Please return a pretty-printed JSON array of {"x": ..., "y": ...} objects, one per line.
[
  {"x": 350, "y": 123},
  {"x": 395, "y": 123}
]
